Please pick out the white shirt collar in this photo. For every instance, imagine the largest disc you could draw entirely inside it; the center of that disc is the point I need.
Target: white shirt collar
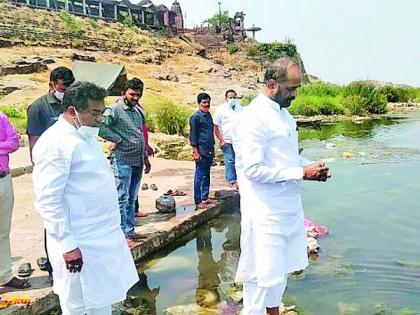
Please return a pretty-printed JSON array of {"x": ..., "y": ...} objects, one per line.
[{"x": 271, "y": 103}]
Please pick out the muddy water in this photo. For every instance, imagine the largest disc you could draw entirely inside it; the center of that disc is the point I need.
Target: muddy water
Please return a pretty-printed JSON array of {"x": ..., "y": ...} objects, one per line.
[{"x": 370, "y": 262}]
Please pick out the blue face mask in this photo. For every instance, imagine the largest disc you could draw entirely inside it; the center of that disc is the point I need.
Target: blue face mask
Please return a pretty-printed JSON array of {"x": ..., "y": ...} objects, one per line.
[{"x": 232, "y": 103}]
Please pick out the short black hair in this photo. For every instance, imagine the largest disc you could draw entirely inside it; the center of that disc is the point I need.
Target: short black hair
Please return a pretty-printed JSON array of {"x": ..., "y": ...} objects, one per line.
[
  {"x": 62, "y": 73},
  {"x": 230, "y": 91},
  {"x": 134, "y": 84},
  {"x": 80, "y": 92},
  {"x": 203, "y": 96}
]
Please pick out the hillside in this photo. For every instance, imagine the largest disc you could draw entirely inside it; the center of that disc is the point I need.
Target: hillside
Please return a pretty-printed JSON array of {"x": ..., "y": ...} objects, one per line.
[{"x": 170, "y": 67}]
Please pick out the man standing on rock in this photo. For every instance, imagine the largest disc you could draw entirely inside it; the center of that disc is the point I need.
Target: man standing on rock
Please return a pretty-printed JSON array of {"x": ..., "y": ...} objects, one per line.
[
  {"x": 223, "y": 124},
  {"x": 43, "y": 113},
  {"x": 273, "y": 238},
  {"x": 76, "y": 197},
  {"x": 202, "y": 142},
  {"x": 123, "y": 126},
  {"x": 9, "y": 142}
]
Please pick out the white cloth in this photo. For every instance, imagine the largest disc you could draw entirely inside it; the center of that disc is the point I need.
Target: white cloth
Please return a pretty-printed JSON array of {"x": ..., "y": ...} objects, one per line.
[
  {"x": 273, "y": 240},
  {"x": 224, "y": 119},
  {"x": 257, "y": 298},
  {"x": 75, "y": 304},
  {"x": 76, "y": 196},
  {"x": 6, "y": 207}
]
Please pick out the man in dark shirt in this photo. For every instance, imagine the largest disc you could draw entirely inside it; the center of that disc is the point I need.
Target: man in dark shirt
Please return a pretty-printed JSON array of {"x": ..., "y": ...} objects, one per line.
[
  {"x": 43, "y": 113},
  {"x": 123, "y": 126},
  {"x": 202, "y": 142}
]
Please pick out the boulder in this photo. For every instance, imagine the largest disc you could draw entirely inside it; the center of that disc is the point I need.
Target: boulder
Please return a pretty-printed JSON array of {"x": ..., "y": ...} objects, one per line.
[
  {"x": 185, "y": 154},
  {"x": 5, "y": 43},
  {"x": 83, "y": 57},
  {"x": 313, "y": 246},
  {"x": 23, "y": 67},
  {"x": 167, "y": 77},
  {"x": 165, "y": 204}
]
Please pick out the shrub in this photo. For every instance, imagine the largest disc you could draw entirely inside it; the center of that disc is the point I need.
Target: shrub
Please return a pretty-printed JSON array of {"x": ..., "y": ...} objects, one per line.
[
  {"x": 17, "y": 117},
  {"x": 375, "y": 102},
  {"x": 355, "y": 104},
  {"x": 71, "y": 25},
  {"x": 150, "y": 122},
  {"x": 311, "y": 105},
  {"x": 321, "y": 89},
  {"x": 172, "y": 119},
  {"x": 397, "y": 93},
  {"x": 271, "y": 51},
  {"x": 247, "y": 99},
  {"x": 233, "y": 48}
]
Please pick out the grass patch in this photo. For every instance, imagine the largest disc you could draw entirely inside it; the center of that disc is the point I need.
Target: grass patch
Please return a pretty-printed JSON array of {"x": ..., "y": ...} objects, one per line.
[
  {"x": 17, "y": 117},
  {"x": 247, "y": 99},
  {"x": 312, "y": 105},
  {"x": 233, "y": 48},
  {"x": 70, "y": 23},
  {"x": 170, "y": 118}
]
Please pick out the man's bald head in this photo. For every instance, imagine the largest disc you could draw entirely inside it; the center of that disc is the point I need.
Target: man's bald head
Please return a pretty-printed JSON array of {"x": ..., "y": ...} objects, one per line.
[
  {"x": 279, "y": 70},
  {"x": 282, "y": 79}
]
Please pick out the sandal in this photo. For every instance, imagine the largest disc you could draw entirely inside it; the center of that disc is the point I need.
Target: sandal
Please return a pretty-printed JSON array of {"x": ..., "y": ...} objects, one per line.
[
  {"x": 144, "y": 187},
  {"x": 19, "y": 284},
  {"x": 25, "y": 270},
  {"x": 153, "y": 187},
  {"x": 168, "y": 193},
  {"x": 137, "y": 236},
  {"x": 178, "y": 193},
  {"x": 42, "y": 263},
  {"x": 141, "y": 215}
]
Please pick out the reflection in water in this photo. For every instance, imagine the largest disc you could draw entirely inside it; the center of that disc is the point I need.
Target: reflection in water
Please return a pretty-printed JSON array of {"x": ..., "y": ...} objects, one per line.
[
  {"x": 148, "y": 296},
  {"x": 346, "y": 128},
  {"x": 207, "y": 294},
  {"x": 369, "y": 264}
]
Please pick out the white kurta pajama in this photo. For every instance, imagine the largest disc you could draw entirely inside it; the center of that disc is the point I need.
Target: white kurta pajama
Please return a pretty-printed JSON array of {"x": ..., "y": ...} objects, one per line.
[
  {"x": 273, "y": 238},
  {"x": 76, "y": 196}
]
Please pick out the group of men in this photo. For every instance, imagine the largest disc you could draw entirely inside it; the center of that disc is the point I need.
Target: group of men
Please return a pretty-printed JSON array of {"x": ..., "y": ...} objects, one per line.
[{"x": 78, "y": 197}]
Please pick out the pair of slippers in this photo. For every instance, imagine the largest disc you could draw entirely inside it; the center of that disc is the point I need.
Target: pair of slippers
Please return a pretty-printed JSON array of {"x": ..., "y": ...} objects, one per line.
[
  {"x": 25, "y": 270},
  {"x": 146, "y": 187},
  {"x": 175, "y": 193}
]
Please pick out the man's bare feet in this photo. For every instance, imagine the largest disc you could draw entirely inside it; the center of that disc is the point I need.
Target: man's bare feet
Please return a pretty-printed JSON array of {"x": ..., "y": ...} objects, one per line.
[
  {"x": 17, "y": 283},
  {"x": 202, "y": 205},
  {"x": 136, "y": 237},
  {"x": 209, "y": 202}
]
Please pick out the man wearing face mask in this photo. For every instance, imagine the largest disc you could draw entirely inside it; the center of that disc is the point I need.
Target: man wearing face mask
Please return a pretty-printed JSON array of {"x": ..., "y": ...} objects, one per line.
[
  {"x": 76, "y": 197},
  {"x": 43, "y": 113},
  {"x": 223, "y": 123},
  {"x": 202, "y": 142},
  {"x": 273, "y": 237},
  {"x": 123, "y": 126}
]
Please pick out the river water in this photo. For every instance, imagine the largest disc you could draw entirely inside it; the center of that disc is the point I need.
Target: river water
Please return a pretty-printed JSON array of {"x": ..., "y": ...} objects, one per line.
[{"x": 368, "y": 264}]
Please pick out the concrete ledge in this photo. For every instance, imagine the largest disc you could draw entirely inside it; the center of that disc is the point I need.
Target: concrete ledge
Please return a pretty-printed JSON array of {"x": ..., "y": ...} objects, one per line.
[
  {"x": 18, "y": 171},
  {"x": 159, "y": 235}
]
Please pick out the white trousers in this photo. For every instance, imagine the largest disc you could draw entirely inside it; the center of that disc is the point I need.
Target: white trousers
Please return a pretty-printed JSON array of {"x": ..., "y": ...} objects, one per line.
[
  {"x": 6, "y": 207},
  {"x": 74, "y": 304},
  {"x": 257, "y": 299}
]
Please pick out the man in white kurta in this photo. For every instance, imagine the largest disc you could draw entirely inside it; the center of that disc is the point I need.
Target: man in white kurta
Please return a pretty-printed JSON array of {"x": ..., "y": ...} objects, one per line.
[
  {"x": 76, "y": 196},
  {"x": 273, "y": 238}
]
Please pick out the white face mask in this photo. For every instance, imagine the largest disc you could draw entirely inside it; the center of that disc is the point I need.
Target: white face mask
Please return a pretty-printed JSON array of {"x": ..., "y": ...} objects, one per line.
[
  {"x": 59, "y": 95},
  {"x": 232, "y": 102},
  {"x": 87, "y": 132}
]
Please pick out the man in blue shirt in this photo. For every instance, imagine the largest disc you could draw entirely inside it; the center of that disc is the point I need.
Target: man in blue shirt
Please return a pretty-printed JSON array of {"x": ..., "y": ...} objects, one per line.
[{"x": 202, "y": 142}]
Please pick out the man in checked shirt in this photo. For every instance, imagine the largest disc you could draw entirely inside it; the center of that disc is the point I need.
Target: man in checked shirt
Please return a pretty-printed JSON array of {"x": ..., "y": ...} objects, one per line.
[{"x": 122, "y": 125}]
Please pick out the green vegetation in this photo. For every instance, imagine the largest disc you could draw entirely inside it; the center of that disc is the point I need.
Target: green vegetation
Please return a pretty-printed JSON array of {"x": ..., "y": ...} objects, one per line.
[
  {"x": 233, "y": 48},
  {"x": 357, "y": 98},
  {"x": 17, "y": 117},
  {"x": 171, "y": 119},
  {"x": 269, "y": 51},
  {"x": 219, "y": 20},
  {"x": 396, "y": 94},
  {"x": 71, "y": 25},
  {"x": 246, "y": 99}
]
